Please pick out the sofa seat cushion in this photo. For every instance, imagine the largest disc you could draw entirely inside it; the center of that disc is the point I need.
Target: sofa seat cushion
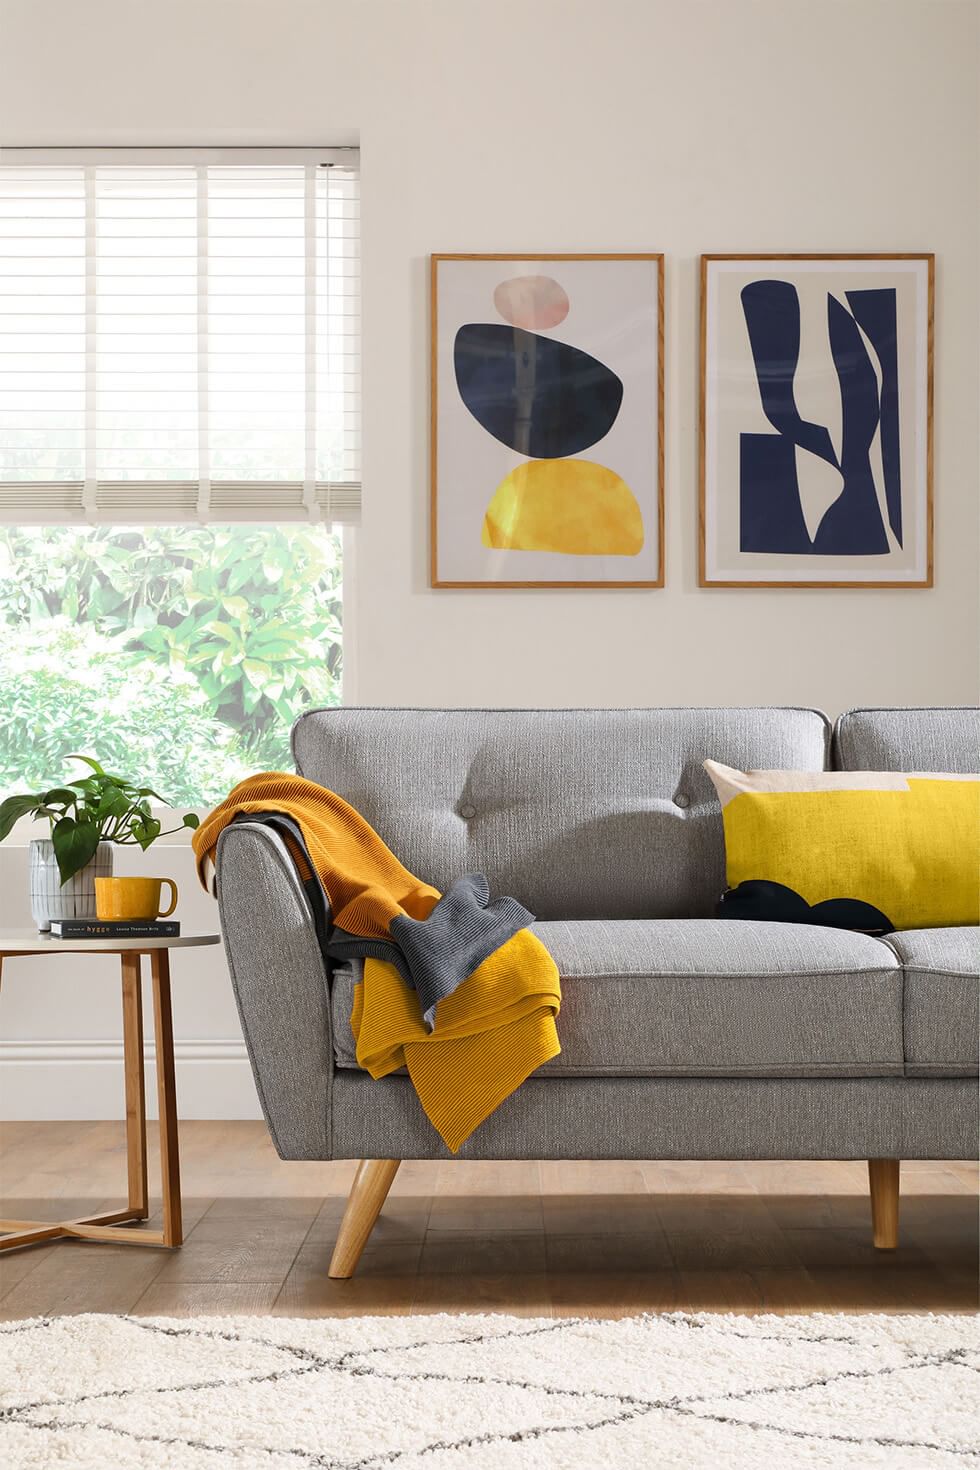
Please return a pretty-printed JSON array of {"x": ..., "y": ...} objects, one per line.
[
  {"x": 708, "y": 997},
  {"x": 942, "y": 1000}
]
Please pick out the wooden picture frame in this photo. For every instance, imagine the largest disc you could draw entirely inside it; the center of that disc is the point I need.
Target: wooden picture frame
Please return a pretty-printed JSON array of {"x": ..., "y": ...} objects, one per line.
[
  {"x": 741, "y": 508},
  {"x": 484, "y": 469}
]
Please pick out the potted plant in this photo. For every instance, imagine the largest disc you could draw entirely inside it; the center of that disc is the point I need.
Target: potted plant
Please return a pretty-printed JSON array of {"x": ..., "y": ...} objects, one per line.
[{"x": 86, "y": 817}]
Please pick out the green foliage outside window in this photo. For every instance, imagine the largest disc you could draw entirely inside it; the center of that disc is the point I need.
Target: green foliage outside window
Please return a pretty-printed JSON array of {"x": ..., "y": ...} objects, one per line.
[{"x": 183, "y": 653}]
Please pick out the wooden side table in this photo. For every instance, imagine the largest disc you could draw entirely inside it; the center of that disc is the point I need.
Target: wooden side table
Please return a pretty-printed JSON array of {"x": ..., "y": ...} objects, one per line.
[{"x": 13, "y": 1233}]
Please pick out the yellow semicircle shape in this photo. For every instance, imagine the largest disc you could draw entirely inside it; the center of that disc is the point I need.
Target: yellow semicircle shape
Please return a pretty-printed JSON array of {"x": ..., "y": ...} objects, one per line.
[{"x": 568, "y": 505}]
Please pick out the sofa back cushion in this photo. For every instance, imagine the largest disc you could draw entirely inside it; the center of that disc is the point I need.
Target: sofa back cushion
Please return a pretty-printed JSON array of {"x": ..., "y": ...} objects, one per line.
[
  {"x": 908, "y": 740},
  {"x": 577, "y": 813}
]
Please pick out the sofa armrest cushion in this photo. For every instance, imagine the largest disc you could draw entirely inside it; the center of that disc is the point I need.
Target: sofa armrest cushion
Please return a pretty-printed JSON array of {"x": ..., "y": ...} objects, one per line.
[{"x": 281, "y": 986}]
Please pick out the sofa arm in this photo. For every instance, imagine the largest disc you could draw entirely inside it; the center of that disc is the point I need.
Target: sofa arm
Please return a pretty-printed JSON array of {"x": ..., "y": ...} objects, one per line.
[{"x": 281, "y": 985}]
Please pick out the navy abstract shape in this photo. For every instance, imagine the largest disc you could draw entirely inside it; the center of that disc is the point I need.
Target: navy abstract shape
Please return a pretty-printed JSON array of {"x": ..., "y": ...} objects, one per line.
[
  {"x": 771, "y": 514},
  {"x": 876, "y": 313},
  {"x": 540, "y": 397},
  {"x": 852, "y": 526},
  {"x": 761, "y": 900},
  {"x": 772, "y": 316}
]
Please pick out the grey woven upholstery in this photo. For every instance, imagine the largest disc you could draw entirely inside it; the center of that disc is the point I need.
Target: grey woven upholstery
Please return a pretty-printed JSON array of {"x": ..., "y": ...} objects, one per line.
[
  {"x": 942, "y": 1000},
  {"x": 280, "y": 984},
  {"x": 674, "y": 1118},
  {"x": 709, "y": 997},
  {"x": 908, "y": 740},
  {"x": 683, "y": 1038},
  {"x": 579, "y": 814}
]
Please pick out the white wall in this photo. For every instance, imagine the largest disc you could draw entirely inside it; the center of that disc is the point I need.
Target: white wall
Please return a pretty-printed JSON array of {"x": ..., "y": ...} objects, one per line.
[{"x": 674, "y": 125}]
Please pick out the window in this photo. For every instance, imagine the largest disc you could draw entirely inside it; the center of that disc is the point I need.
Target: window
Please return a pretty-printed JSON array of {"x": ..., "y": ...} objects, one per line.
[{"x": 179, "y": 450}]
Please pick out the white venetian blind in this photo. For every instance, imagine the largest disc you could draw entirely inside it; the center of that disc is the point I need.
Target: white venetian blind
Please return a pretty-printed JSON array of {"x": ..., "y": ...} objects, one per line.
[{"x": 179, "y": 340}]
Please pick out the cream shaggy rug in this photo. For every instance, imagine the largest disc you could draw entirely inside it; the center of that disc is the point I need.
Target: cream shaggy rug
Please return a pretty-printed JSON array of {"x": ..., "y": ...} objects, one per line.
[{"x": 490, "y": 1393}]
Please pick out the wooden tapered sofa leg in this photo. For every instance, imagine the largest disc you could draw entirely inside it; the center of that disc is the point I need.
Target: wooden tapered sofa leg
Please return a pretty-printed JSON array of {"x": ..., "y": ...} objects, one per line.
[
  {"x": 883, "y": 1177},
  {"x": 368, "y": 1193}
]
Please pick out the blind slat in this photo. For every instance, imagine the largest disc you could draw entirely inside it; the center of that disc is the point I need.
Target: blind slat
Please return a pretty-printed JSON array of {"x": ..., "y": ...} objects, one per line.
[
  {"x": 143, "y": 502},
  {"x": 198, "y": 323}
]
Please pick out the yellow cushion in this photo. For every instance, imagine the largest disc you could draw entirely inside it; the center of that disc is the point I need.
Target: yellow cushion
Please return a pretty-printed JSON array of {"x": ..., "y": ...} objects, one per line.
[{"x": 909, "y": 845}]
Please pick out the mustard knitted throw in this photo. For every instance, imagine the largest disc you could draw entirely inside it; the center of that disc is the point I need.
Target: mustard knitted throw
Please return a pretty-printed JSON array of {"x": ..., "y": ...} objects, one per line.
[{"x": 467, "y": 968}]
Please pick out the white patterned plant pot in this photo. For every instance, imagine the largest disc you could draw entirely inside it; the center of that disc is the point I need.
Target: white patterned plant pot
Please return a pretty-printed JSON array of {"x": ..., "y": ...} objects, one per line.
[{"x": 50, "y": 899}]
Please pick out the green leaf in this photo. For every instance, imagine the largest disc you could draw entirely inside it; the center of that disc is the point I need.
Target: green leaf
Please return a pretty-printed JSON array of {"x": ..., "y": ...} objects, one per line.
[
  {"x": 258, "y": 674},
  {"x": 13, "y": 809},
  {"x": 191, "y": 819},
  {"x": 154, "y": 639},
  {"x": 272, "y": 647},
  {"x": 148, "y": 831},
  {"x": 187, "y": 627},
  {"x": 61, "y": 794},
  {"x": 223, "y": 630},
  {"x": 225, "y": 660},
  {"x": 114, "y": 803},
  {"x": 89, "y": 761},
  {"x": 211, "y": 687},
  {"x": 243, "y": 573},
  {"x": 75, "y": 845}
]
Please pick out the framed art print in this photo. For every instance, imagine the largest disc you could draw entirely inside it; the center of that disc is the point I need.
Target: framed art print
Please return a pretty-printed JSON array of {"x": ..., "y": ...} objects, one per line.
[
  {"x": 547, "y": 421},
  {"x": 816, "y": 420}
]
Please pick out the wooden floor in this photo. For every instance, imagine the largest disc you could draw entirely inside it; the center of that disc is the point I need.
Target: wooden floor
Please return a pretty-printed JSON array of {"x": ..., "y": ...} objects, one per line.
[{"x": 604, "y": 1239}]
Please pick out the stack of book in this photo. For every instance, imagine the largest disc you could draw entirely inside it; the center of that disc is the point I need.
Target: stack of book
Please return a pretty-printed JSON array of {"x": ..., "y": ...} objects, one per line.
[{"x": 115, "y": 928}]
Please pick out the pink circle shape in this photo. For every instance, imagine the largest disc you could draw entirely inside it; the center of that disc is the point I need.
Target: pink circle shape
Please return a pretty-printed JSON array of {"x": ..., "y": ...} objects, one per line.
[{"x": 532, "y": 302}]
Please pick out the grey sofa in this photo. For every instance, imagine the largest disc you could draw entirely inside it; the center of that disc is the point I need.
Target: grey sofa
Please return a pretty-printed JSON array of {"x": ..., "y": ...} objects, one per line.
[{"x": 683, "y": 1036}]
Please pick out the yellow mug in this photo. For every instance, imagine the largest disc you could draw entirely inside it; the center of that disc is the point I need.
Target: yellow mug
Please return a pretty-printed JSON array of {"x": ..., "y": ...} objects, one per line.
[{"x": 132, "y": 898}]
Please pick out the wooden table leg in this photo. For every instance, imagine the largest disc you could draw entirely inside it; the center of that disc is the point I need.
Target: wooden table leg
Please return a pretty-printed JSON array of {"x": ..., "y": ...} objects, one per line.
[
  {"x": 173, "y": 1233},
  {"x": 17, "y": 1233},
  {"x": 132, "y": 1001}
]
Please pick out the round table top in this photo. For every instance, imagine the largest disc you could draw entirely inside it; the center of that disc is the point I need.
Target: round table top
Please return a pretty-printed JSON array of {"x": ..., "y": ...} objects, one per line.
[{"x": 30, "y": 941}]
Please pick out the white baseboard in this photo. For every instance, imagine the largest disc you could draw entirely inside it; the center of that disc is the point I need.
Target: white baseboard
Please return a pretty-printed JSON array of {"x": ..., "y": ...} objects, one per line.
[{"x": 55, "y": 1080}]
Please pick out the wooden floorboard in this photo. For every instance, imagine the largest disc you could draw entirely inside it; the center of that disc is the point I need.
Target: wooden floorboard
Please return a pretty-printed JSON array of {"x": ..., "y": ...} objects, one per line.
[{"x": 605, "y": 1239}]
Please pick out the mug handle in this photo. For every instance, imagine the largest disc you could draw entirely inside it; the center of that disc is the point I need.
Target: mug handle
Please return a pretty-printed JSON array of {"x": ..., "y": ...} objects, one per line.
[{"x": 165, "y": 913}]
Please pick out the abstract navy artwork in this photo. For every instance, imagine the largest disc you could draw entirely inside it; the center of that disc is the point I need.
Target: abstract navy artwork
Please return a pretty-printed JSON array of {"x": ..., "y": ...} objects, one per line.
[
  {"x": 547, "y": 445},
  {"x": 771, "y": 516},
  {"x": 816, "y": 422}
]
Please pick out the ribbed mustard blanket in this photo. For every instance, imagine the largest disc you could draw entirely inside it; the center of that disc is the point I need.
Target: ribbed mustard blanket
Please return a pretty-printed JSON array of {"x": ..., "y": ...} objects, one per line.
[{"x": 493, "y": 986}]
